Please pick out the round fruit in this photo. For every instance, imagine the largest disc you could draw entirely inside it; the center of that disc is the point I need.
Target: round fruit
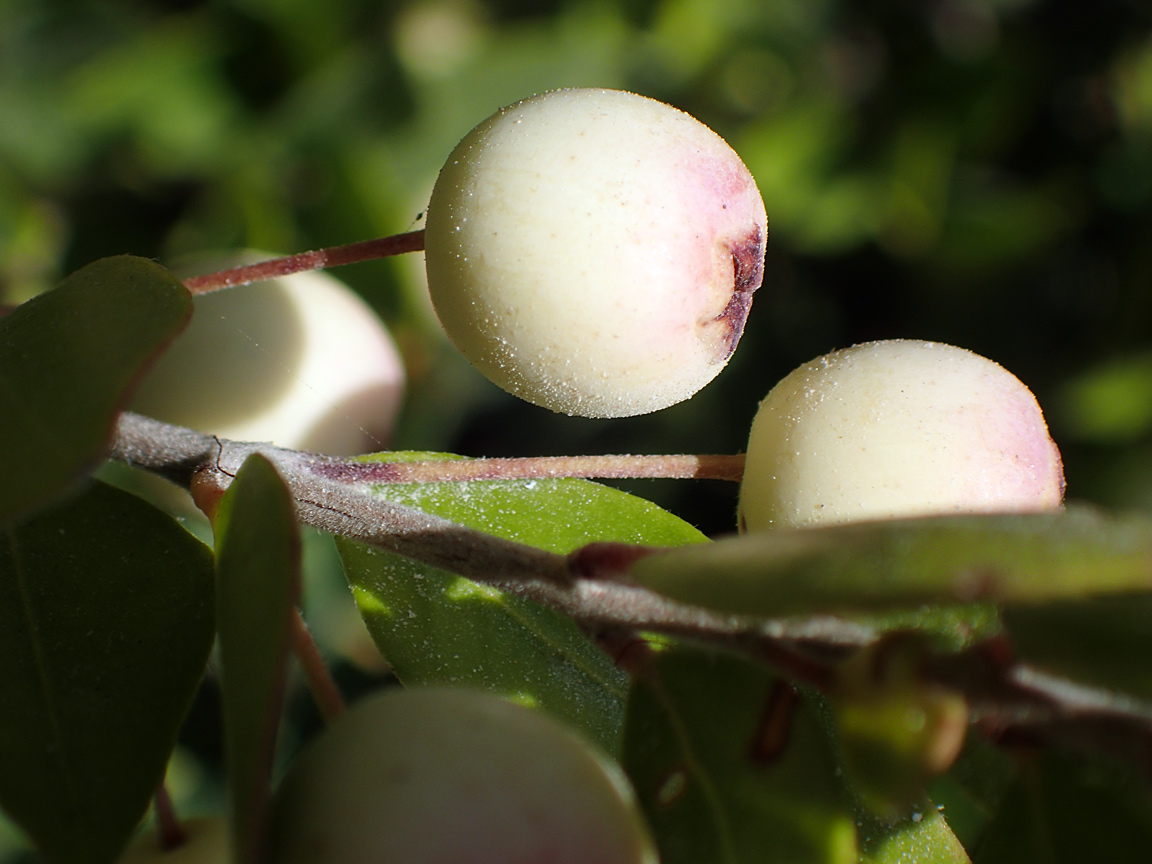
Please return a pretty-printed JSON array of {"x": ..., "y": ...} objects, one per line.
[
  {"x": 595, "y": 251},
  {"x": 897, "y": 428},
  {"x": 206, "y": 842},
  {"x": 299, "y": 361},
  {"x": 439, "y": 775}
]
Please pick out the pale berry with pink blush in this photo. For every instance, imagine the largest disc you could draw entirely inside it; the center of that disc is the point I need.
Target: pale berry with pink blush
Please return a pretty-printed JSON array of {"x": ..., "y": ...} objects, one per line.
[
  {"x": 595, "y": 251},
  {"x": 897, "y": 428}
]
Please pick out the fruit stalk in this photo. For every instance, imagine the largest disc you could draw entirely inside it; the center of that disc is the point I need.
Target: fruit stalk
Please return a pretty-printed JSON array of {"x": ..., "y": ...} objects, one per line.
[
  {"x": 625, "y": 467},
  {"x": 316, "y": 672},
  {"x": 332, "y": 256}
]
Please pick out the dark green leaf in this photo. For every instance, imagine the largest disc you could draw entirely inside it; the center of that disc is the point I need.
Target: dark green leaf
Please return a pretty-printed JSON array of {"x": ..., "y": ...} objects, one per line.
[
  {"x": 1029, "y": 558},
  {"x": 732, "y": 765},
  {"x": 434, "y": 627},
  {"x": 68, "y": 359},
  {"x": 1103, "y": 641},
  {"x": 971, "y": 791},
  {"x": 1062, "y": 811},
  {"x": 258, "y": 585},
  {"x": 105, "y": 628}
]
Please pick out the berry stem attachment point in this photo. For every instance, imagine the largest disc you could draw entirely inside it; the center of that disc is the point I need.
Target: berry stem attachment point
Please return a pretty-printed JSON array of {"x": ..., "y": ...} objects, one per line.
[
  {"x": 324, "y": 689},
  {"x": 673, "y": 467},
  {"x": 172, "y": 833},
  {"x": 333, "y": 256}
]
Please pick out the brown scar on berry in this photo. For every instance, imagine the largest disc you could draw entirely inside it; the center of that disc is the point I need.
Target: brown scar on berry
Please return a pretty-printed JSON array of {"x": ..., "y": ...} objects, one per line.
[{"x": 747, "y": 275}]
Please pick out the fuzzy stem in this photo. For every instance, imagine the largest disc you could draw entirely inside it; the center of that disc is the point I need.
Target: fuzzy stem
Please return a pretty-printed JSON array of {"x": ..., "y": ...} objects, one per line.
[
  {"x": 709, "y": 467},
  {"x": 324, "y": 689},
  {"x": 1006, "y": 698},
  {"x": 333, "y": 256}
]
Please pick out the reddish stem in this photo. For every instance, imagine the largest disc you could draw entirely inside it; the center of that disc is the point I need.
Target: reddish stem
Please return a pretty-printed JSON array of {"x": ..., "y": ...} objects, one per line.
[
  {"x": 333, "y": 256},
  {"x": 324, "y": 689},
  {"x": 172, "y": 833},
  {"x": 715, "y": 467}
]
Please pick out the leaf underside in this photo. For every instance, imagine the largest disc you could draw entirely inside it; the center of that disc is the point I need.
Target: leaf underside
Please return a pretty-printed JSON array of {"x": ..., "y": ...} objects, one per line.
[
  {"x": 106, "y": 621},
  {"x": 902, "y": 564},
  {"x": 435, "y": 627},
  {"x": 258, "y": 586},
  {"x": 68, "y": 361}
]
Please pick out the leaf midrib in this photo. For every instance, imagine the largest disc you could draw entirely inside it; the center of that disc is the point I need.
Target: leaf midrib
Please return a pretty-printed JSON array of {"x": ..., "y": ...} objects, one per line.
[{"x": 58, "y": 753}]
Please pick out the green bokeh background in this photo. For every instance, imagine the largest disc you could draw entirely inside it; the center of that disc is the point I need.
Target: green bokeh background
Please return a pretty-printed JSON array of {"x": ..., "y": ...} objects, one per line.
[
  {"x": 972, "y": 171},
  {"x": 977, "y": 172}
]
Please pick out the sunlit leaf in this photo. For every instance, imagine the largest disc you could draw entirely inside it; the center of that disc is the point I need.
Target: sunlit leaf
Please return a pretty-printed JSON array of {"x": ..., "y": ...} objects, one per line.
[
  {"x": 258, "y": 585},
  {"x": 732, "y": 765},
  {"x": 435, "y": 627},
  {"x": 106, "y": 622},
  {"x": 923, "y": 837},
  {"x": 1029, "y": 558},
  {"x": 68, "y": 360}
]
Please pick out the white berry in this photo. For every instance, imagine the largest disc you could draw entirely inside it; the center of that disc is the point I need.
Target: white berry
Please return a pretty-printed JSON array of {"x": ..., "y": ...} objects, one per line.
[
  {"x": 595, "y": 251},
  {"x": 301, "y": 361},
  {"x": 438, "y": 775},
  {"x": 893, "y": 429}
]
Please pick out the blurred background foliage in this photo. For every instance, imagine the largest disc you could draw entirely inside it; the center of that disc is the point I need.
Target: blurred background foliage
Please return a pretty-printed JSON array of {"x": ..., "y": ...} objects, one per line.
[
  {"x": 972, "y": 171},
  {"x": 977, "y": 172}
]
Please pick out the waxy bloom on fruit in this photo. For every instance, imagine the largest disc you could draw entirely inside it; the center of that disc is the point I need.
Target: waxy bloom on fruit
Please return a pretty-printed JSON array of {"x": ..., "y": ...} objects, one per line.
[
  {"x": 437, "y": 775},
  {"x": 897, "y": 428},
  {"x": 595, "y": 251},
  {"x": 301, "y": 361}
]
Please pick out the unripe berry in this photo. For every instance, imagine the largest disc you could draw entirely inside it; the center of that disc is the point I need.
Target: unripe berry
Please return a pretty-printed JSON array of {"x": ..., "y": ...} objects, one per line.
[
  {"x": 595, "y": 251},
  {"x": 300, "y": 361},
  {"x": 897, "y": 428},
  {"x": 437, "y": 775}
]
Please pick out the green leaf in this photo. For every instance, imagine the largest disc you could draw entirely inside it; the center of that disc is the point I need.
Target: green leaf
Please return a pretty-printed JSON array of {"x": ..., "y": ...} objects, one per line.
[
  {"x": 258, "y": 586},
  {"x": 923, "y": 837},
  {"x": 731, "y": 765},
  {"x": 916, "y": 830},
  {"x": 1063, "y": 811},
  {"x": 950, "y": 628},
  {"x": 435, "y": 627},
  {"x": 973, "y": 788},
  {"x": 894, "y": 739},
  {"x": 68, "y": 360},
  {"x": 1030, "y": 558},
  {"x": 105, "y": 628},
  {"x": 1102, "y": 641}
]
